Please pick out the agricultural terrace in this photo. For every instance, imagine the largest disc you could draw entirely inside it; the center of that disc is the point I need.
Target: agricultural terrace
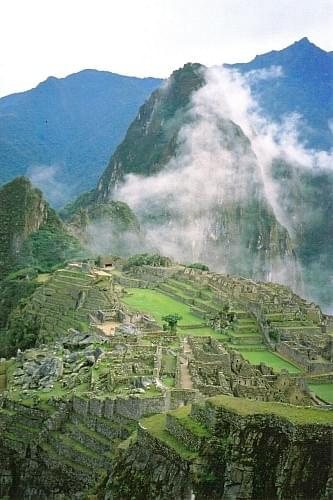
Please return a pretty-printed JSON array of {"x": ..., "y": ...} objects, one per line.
[
  {"x": 270, "y": 359},
  {"x": 157, "y": 304},
  {"x": 323, "y": 391}
]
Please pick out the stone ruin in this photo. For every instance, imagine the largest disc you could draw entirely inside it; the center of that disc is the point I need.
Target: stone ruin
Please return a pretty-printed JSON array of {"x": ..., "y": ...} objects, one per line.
[{"x": 217, "y": 369}]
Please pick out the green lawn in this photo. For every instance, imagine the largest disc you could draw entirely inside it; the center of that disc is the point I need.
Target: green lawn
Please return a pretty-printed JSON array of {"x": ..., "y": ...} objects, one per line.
[
  {"x": 296, "y": 414},
  {"x": 323, "y": 391},
  {"x": 202, "y": 332},
  {"x": 270, "y": 359},
  {"x": 157, "y": 304}
]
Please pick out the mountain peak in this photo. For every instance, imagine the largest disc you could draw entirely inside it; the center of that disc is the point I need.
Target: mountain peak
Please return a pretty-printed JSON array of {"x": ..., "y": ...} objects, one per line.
[
  {"x": 303, "y": 41},
  {"x": 304, "y": 44}
]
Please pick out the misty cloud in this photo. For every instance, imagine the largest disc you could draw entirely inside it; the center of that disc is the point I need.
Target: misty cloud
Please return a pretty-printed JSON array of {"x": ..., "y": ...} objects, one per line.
[
  {"x": 264, "y": 73},
  {"x": 48, "y": 178},
  {"x": 104, "y": 238},
  {"x": 216, "y": 166}
]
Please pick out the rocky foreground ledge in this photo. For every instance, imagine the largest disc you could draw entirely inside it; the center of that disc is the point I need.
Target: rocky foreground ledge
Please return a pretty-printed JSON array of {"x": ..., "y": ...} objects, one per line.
[
  {"x": 220, "y": 448},
  {"x": 229, "y": 448}
]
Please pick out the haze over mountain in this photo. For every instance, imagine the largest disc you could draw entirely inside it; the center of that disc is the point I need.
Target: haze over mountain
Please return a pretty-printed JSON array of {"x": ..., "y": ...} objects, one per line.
[
  {"x": 297, "y": 79},
  {"x": 191, "y": 176},
  {"x": 213, "y": 168},
  {"x": 211, "y": 177},
  {"x": 62, "y": 133}
]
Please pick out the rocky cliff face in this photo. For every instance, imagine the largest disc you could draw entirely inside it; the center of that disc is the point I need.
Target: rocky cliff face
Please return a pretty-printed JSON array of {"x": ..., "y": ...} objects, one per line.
[
  {"x": 151, "y": 139},
  {"x": 228, "y": 449},
  {"x": 30, "y": 231},
  {"x": 22, "y": 212},
  {"x": 192, "y": 179}
]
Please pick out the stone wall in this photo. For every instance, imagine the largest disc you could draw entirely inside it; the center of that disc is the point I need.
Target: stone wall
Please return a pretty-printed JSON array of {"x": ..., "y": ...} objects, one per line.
[
  {"x": 253, "y": 457},
  {"x": 290, "y": 351},
  {"x": 132, "y": 407}
]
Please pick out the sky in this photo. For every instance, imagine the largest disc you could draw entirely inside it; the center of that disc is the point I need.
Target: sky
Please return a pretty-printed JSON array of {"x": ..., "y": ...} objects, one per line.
[{"x": 42, "y": 38}]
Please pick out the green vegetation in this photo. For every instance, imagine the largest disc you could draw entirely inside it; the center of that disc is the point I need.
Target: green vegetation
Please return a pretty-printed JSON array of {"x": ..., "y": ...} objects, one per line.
[
  {"x": 323, "y": 391},
  {"x": 21, "y": 333},
  {"x": 163, "y": 106},
  {"x": 158, "y": 305},
  {"x": 114, "y": 218},
  {"x": 15, "y": 287},
  {"x": 171, "y": 322},
  {"x": 31, "y": 233},
  {"x": 168, "y": 363},
  {"x": 42, "y": 278},
  {"x": 183, "y": 414},
  {"x": 198, "y": 265},
  {"x": 203, "y": 332},
  {"x": 156, "y": 427},
  {"x": 50, "y": 246},
  {"x": 32, "y": 240},
  {"x": 296, "y": 414},
  {"x": 270, "y": 359},
  {"x": 145, "y": 259},
  {"x": 72, "y": 207}
]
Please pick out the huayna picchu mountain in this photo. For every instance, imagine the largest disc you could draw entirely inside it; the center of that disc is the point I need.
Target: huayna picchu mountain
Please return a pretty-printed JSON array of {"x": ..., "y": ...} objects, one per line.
[{"x": 195, "y": 184}]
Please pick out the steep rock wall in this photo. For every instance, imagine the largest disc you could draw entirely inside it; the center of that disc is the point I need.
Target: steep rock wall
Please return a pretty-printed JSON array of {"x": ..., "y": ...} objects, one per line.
[{"x": 253, "y": 456}]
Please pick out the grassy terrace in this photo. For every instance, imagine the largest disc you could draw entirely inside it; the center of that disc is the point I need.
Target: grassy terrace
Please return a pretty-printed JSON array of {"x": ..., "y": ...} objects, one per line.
[
  {"x": 323, "y": 391},
  {"x": 270, "y": 359},
  {"x": 157, "y": 304},
  {"x": 155, "y": 425},
  {"x": 295, "y": 414},
  {"x": 183, "y": 415}
]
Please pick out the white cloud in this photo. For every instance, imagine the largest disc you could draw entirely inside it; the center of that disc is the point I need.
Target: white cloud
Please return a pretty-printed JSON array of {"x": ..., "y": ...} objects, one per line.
[
  {"x": 265, "y": 73},
  {"x": 217, "y": 167},
  {"x": 48, "y": 178}
]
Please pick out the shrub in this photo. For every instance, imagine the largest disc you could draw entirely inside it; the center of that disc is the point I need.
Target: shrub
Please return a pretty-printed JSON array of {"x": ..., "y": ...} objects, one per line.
[
  {"x": 144, "y": 259},
  {"x": 199, "y": 265}
]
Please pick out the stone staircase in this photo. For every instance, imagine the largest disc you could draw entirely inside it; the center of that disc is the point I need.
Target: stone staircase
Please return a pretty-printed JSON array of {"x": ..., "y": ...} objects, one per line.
[{"x": 204, "y": 303}]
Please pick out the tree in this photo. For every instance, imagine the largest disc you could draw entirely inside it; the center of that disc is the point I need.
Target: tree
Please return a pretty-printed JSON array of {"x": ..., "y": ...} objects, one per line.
[{"x": 172, "y": 320}]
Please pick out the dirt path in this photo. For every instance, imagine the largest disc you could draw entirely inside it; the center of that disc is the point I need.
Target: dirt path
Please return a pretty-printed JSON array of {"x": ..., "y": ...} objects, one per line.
[{"x": 185, "y": 377}]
